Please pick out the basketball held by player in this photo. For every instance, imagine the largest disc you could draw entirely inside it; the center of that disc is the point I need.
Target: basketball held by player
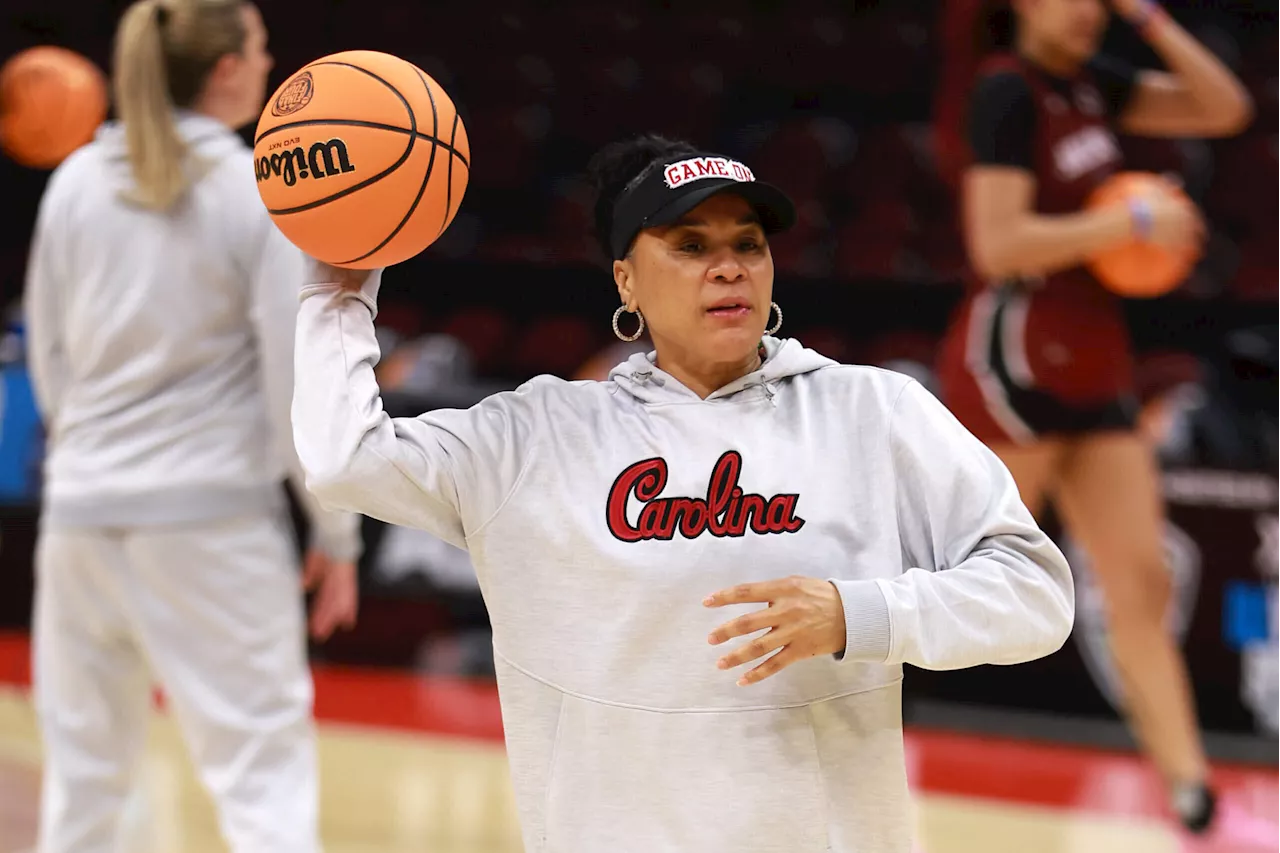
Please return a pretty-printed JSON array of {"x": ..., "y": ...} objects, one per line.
[
  {"x": 1037, "y": 361},
  {"x": 160, "y": 302}
]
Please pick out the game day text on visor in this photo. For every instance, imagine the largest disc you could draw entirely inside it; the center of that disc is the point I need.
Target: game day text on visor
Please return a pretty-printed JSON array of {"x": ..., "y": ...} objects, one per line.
[{"x": 697, "y": 168}]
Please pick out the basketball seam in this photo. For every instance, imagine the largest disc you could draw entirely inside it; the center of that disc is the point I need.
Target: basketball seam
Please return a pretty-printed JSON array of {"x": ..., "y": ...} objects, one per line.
[
  {"x": 448, "y": 187},
  {"x": 435, "y": 131},
  {"x": 413, "y": 120},
  {"x": 426, "y": 179},
  {"x": 408, "y": 109},
  {"x": 373, "y": 125}
]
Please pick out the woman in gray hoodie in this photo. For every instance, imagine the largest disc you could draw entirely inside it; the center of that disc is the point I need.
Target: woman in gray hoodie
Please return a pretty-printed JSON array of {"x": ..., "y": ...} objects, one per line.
[
  {"x": 729, "y": 484},
  {"x": 161, "y": 304}
]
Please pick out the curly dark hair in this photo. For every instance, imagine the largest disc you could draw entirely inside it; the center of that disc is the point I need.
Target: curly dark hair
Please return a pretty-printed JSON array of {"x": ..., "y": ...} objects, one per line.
[{"x": 617, "y": 165}]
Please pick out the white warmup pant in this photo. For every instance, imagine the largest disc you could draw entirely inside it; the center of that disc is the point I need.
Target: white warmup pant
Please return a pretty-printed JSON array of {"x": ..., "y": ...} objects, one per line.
[{"x": 215, "y": 612}]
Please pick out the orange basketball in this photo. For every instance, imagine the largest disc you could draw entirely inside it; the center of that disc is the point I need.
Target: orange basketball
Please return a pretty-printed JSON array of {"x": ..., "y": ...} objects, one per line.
[
  {"x": 51, "y": 102},
  {"x": 1136, "y": 268},
  {"x": 361, "y": 159}
]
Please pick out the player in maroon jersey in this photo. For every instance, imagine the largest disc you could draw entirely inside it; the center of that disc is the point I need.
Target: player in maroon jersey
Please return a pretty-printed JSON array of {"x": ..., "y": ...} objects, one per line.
[{"x": 1037, "y": 361}]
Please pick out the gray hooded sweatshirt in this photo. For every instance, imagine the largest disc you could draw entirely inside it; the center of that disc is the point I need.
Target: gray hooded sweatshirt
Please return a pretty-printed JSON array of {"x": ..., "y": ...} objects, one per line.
[
  {"x": 161, "y": 345},
  {"x": 598, "y": 516}
]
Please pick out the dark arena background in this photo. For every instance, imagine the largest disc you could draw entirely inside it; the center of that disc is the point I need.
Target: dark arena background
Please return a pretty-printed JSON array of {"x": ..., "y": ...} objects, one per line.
[{"x": 835, "y": 103}]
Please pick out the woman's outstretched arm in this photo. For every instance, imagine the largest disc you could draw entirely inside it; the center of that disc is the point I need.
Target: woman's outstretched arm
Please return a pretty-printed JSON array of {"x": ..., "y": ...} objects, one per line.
[{"x": 446, "y": 472}]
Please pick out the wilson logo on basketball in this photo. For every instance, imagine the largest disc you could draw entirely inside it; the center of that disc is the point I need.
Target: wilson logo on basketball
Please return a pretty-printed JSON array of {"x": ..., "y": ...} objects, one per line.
[
  {"x": 295, "y": 95},
  {"x": 725, "y": 511},
  {"x": 321, "y": 160}
]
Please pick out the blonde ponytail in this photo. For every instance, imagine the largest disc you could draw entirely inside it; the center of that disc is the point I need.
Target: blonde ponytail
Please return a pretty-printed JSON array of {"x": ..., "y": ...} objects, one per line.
[
  {"x": 156, "y": 153},
  {"x": 164, "y": 50}
]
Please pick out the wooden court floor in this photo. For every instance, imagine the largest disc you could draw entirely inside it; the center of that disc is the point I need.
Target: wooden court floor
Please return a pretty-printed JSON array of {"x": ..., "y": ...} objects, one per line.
[{"x": 410, "y": 766}]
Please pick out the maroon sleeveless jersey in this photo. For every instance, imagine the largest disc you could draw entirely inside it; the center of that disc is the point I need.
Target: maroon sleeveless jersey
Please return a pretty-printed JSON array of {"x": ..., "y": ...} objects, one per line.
[{"x": 1066, "y": 336}]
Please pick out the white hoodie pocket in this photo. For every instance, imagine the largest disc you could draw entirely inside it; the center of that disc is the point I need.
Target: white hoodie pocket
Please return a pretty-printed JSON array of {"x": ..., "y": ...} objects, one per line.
[{"x": 626, "y": 780}]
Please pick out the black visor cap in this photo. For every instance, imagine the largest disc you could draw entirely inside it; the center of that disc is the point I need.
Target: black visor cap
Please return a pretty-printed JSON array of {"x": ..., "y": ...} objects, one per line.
[{"x": 653, "y": 201}]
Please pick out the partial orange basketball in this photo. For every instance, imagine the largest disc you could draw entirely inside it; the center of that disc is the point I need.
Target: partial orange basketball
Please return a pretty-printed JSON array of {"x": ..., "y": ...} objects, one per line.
[
  {"x": 361, "y": 159},
  {"x": 51, "y": 103},
  {"x": 1139, "y": 269}
]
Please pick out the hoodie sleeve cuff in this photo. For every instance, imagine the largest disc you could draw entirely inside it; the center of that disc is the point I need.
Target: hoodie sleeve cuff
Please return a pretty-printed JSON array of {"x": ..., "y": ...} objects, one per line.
[
  {"x": 337, "y": 536},
  {"x": 868, "y": 634},
  {"x": 368, "y": 292}
]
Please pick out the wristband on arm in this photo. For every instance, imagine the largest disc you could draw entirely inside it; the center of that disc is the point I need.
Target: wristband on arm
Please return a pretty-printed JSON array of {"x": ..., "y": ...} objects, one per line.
[
  {"x": 1149, "y": 17},
  {"x": 1140, "y": 218}
]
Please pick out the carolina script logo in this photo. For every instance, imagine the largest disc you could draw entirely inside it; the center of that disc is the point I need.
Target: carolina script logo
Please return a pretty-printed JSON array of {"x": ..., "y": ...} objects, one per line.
[
  {"x": 725, "y": 511},
  {"x": 1085, "y": 150}
]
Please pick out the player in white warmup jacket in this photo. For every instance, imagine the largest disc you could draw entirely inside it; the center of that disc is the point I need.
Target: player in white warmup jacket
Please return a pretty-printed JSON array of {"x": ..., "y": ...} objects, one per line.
[
  {"x": 161, "y": 304},
  {"x": 623, "y": 530}
]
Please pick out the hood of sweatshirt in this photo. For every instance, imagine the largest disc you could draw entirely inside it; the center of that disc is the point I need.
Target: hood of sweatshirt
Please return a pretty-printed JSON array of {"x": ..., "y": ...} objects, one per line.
[
  {"x": 640, "y": 377},
  {"x": 207, "y": 139}
]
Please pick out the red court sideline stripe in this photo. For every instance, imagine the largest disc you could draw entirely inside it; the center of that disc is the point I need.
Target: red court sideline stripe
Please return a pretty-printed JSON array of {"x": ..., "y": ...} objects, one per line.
[
  {"x": 366, "y": 696},
  {"x": 941, "y": 762}
]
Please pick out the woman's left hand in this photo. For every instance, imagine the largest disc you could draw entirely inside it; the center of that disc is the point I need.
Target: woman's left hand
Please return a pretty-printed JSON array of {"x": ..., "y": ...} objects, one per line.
[{"x": 805, "y": 617}]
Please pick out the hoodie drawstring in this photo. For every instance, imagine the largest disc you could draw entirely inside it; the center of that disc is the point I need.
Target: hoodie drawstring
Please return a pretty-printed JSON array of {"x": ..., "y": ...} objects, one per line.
[{"x": 646, "y": 376}]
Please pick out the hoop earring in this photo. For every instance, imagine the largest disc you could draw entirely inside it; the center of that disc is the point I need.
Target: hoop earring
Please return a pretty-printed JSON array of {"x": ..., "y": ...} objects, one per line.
[
  {"x": 777, "y": 325},
  {"x": 618, "y": 332}
]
